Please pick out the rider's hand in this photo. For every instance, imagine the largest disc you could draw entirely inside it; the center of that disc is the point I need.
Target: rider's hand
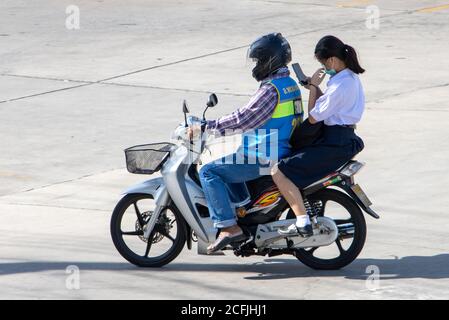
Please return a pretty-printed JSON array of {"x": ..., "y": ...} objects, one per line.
[{"x": 192, "y": 131}]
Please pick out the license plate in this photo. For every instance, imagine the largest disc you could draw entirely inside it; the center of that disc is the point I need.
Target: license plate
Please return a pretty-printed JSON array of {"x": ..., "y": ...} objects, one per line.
[{"x": 361, "y": 195}]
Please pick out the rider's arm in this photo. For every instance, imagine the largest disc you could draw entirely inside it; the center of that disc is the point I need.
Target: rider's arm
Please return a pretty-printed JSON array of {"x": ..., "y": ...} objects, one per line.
[{"x": 259, "y": 110}]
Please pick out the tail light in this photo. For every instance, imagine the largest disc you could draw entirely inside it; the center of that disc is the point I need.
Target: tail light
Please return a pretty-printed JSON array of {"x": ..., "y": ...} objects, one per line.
[{"x": 352, "y": 168}]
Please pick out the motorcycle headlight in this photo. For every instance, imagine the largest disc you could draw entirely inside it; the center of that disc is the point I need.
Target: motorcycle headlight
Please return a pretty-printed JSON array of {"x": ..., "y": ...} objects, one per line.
[{"x": 180, "y": 133}]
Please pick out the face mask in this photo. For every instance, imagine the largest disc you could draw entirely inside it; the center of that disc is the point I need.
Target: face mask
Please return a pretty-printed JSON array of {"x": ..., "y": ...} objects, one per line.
[{"x": 330, "y": 72}]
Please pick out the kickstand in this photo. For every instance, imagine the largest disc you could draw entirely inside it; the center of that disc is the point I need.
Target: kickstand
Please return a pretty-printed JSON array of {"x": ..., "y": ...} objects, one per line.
[
  {"x": 246, "y": 242},
  {"x": 289, "y": 242}
]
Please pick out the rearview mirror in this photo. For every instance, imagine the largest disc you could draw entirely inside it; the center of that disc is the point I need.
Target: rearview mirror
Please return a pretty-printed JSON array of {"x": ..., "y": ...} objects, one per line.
[
  {"x": 213, "y": 100},
  {"x": 185, "y": 109}
]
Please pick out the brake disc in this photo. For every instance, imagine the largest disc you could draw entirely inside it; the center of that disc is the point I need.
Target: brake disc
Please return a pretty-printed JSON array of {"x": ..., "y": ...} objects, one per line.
[{"x": 163, "y": 221}]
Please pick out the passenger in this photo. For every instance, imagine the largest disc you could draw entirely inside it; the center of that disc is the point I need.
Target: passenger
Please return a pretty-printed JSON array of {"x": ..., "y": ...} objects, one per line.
[{"x": 340, "y": 107}]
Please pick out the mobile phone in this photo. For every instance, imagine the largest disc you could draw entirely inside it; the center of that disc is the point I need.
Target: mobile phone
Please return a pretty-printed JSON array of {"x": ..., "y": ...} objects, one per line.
[{"x": 299, "y": 74}]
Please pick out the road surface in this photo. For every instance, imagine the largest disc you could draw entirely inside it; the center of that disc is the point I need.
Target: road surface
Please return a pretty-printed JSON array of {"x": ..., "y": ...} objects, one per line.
[{"x": 72, "y": 99}]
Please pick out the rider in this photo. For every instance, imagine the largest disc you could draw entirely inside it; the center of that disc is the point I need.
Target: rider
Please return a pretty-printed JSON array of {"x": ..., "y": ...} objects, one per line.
[
  {"x": 266, "y": 122},
  {"x": 340, "y": 107}
]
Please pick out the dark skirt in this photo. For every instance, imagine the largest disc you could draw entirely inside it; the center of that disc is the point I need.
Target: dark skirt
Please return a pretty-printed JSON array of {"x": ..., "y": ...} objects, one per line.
[{"x": 309, "y": 164}]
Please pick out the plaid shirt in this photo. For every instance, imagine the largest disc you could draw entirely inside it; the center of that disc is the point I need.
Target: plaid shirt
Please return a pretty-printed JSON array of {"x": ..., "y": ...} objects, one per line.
[{"x": 253, "y": 115}]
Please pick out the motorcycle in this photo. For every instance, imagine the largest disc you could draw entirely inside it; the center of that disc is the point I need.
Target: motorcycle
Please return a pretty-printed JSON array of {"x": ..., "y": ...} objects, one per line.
[{"x": 155, "y": 219}]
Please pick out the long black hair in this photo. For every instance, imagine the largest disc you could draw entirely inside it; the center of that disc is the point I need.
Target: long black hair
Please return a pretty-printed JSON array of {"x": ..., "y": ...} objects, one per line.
[{"x": 330, "y": 46}]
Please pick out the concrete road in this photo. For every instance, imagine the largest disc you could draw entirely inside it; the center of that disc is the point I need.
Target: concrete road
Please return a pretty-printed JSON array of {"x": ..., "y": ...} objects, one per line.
[{"x": 72, "y": 100}]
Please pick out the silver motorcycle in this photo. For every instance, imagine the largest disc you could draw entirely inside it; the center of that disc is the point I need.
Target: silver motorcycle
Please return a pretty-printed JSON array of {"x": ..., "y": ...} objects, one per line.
[{"x": 155, "y": 219}]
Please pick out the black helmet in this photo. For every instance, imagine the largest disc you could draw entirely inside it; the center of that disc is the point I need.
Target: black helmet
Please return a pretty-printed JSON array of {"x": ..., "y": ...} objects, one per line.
[{"x": 270, "y": 52}]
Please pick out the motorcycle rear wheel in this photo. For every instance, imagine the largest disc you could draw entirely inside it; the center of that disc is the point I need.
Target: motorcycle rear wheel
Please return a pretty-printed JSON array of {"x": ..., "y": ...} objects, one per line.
[
  {"x": 307, "y": 257},
  {"x": 161, "y": 231}
]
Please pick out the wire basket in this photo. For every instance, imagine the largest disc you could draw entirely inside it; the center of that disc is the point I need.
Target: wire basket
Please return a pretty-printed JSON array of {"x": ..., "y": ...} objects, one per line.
[{"x": 147, "y": 158}]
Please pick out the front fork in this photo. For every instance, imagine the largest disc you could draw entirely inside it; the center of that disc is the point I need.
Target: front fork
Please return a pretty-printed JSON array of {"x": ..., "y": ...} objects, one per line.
[{"x": 162, "y": 202}]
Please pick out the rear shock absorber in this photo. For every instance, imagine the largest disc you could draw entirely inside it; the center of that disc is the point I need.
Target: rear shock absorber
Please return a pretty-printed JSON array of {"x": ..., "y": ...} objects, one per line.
[{"x": 311, "y": 211}]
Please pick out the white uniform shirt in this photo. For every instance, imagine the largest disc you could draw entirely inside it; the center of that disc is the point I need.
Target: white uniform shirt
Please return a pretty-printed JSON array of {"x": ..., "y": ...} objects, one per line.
[{"x": 343, "y": 102}]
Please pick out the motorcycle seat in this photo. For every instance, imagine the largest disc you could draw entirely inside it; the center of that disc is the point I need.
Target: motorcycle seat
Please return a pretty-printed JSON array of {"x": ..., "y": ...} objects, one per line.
[{"x": 336, "y": 172}]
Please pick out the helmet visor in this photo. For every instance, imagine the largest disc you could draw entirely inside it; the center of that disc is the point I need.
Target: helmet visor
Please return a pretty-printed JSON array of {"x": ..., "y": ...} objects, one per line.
[{"x": 250, "y": 63}]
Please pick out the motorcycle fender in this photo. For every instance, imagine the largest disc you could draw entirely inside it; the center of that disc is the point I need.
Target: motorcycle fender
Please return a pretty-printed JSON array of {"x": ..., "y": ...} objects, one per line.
[
  {"x": 352, "y": 194},
  {"x": 152, "y": 186},
  {"x": 155, "y": 187}
]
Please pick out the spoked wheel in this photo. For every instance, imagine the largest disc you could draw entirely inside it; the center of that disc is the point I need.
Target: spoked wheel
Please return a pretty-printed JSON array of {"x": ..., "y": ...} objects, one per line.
[
  {"x": 166, "y": 240},
  {"x": 351, "y": 226}
]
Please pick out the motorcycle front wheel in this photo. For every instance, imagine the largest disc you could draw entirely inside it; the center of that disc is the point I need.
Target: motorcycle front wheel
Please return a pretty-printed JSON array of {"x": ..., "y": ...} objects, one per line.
[
  {"x": 165, "y": 242},
  {"x": 346, "y": 214}
]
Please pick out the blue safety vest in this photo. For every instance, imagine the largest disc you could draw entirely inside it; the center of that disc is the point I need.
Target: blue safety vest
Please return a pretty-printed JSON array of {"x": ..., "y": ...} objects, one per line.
[{"x": 271, "y": 140}]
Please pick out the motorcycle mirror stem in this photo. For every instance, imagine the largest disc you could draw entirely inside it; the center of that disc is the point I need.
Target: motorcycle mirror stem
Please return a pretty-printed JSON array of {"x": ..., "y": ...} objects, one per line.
[
  {"x": 185, "y": 110},
  {"x": 212, "y": 102}
]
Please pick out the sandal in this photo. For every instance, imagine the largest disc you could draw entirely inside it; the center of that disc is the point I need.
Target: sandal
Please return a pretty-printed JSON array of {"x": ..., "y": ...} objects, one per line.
[{"x": 222, "y": 242}]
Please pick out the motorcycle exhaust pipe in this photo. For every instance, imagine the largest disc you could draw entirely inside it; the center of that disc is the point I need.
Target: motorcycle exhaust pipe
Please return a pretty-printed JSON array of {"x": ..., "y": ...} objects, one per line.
[{"x": 346, "y": 231}]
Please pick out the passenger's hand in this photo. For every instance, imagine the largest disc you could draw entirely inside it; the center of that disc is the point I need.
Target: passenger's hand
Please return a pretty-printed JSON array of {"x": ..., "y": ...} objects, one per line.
[
  {"x": 317, "y": 77},
  {"x": 307, "y": 86}
]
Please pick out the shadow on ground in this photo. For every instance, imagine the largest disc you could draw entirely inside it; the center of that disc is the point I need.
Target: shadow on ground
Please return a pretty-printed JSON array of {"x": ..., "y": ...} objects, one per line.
[{"x": 427, "y": 267}]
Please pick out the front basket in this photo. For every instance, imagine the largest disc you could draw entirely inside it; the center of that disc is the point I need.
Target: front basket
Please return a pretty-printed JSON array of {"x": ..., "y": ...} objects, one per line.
[{"x": 147, "y": 158}]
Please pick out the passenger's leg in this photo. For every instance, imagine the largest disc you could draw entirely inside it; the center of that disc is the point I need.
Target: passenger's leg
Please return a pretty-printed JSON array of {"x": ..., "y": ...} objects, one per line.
[
  {"x": 293, "y": 196},
  {"x": 290, "y": 192}
]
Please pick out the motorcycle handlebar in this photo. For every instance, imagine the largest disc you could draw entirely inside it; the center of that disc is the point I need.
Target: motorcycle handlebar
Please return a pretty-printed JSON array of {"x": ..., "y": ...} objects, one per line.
[{"x": 181, "y": 133}]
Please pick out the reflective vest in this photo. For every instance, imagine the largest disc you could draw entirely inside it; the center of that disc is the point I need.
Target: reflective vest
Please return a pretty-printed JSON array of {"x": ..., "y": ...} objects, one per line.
[{"x": 271, "y": 140}]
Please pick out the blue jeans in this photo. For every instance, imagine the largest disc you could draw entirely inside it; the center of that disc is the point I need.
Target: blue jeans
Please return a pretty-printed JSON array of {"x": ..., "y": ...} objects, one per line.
[{"x": 223, "y": 184}]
